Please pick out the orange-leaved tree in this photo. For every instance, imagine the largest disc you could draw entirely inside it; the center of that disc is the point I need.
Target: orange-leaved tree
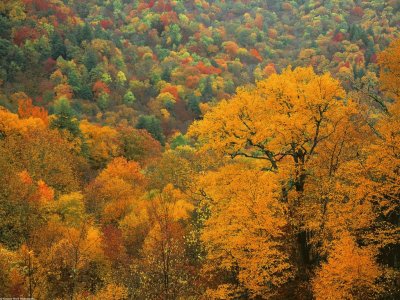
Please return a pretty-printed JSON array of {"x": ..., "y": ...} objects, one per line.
[{"x": 112, "y": 194}]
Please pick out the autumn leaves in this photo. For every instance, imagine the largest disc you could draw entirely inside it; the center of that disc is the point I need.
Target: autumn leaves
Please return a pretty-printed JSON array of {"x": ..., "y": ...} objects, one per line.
[
  {"x": 289, "y": 190},
  {"x": 244, "y": 236},
  {"x": 282, "y": 124},
  {"x": 308, "y": 194}
]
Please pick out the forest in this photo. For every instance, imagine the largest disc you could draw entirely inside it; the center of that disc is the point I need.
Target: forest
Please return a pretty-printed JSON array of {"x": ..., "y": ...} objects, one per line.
[{"x": 205, "y": 149}]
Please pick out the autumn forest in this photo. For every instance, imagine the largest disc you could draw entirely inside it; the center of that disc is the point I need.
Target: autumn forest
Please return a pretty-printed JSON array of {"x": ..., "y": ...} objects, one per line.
[{"x": 206, "y": 149}]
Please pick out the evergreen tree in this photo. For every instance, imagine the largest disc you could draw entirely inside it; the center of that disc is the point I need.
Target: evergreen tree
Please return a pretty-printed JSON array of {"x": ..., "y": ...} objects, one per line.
[
  {"x": 65, "y": 117},
  {"x": 57, "y": 46},
  {"x": 153, "y": 126}
]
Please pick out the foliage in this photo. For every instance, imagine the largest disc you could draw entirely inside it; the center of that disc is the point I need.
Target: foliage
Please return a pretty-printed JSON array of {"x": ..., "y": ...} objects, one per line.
[
  {"x": 199, "y": 149},
  {"x": 350, "y": 272},
  {"x": 245, "y": 234}
]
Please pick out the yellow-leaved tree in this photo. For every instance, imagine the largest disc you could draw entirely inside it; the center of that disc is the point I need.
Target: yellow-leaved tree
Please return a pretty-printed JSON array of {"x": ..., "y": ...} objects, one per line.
[
  {"x": 382, "y": 179},
  {"x": 102, "y": 142},
  {"x": 244, "y": 235},
  {"x": 164, "y": 269},
  {"x": 287, "y": 123},
  {"x": 281, "y": 121},
  {"x": 350, "y": 273},
  {"x": 389, "y": 62}
]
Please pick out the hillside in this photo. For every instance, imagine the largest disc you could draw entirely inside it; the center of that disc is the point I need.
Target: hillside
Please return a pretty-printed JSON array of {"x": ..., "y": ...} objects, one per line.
[
  {"x": 200, "y": 149},
  {"x": 119, "y": 60}
]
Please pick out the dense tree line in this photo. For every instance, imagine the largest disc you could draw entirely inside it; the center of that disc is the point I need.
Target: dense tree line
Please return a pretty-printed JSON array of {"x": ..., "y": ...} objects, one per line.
[
  {"x": 288, "y": 190},
  {"x": 199, "y": 149},
  {"x": 128, "y": 61}
]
